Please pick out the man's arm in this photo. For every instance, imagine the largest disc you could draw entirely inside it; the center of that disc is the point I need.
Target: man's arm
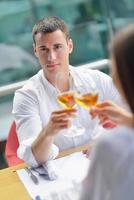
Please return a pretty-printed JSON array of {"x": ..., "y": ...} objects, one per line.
[
  {"x": 41, "y": 147},
  {"x": 36, "y": 141}
]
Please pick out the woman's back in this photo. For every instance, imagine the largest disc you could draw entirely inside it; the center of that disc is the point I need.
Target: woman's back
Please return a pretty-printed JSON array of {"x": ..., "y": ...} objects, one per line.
[{"x": 111, "y": 175}]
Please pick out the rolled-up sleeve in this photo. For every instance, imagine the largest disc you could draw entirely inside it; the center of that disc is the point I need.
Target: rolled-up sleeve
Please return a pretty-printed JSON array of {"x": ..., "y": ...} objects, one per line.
[
  {"x": 25, "y": 152},
  {"x": 29, "y": 125}
]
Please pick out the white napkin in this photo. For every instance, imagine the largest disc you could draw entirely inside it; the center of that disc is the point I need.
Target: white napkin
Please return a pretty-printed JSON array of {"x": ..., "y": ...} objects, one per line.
[
  {"x": 48, "y": 170},
  {"x": 72, "y": 193}
]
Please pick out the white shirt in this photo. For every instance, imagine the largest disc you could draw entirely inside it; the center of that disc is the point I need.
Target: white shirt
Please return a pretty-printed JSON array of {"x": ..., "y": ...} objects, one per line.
[
  {"x": 34, "y": 103},
  {"x": 111, "y": 172}
]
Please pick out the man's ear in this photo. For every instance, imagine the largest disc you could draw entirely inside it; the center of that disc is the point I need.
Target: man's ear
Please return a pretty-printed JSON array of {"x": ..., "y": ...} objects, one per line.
[
  {"x": 70, "y": 45},
  {"x": 34, "y": 48}
]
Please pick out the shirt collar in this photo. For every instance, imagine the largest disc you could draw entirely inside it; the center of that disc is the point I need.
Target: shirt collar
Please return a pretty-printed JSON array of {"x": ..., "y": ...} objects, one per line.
[
  {"x": 77, "y": 83},
  {"x": 51, "y": 89},
  {"x": 48, "y": 86}
]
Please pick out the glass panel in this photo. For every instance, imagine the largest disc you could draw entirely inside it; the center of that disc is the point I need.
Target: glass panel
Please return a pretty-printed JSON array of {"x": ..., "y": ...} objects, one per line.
[
  {"x": 120, "y": 12},
  {"x": 18, "y": 17},
  {"x": 87, "y": 43},
  {"x": 91, "y": 24},
  {"x": 17, "y": 62}
]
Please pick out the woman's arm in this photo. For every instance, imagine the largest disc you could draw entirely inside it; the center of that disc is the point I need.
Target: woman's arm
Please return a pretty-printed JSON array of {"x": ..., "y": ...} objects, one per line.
[{"x": 110, "y": 111}]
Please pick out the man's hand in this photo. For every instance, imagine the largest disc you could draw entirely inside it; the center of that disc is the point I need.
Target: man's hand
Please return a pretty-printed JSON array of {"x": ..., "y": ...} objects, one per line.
[
  {"x": 59, "y": 120},
  {"x": 86, "y": 152}
]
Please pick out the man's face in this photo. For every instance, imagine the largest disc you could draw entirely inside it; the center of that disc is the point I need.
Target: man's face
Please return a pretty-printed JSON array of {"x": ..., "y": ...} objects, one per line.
[{"x": 52, "y": 51}]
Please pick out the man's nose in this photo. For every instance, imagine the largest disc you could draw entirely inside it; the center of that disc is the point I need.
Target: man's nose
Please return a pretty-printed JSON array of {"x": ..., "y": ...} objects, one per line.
[{"x": 51, "y": 56}]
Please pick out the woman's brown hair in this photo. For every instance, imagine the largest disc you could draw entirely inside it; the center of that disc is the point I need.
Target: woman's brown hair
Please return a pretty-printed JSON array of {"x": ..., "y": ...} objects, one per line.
[{"x": 123, "y": 53}]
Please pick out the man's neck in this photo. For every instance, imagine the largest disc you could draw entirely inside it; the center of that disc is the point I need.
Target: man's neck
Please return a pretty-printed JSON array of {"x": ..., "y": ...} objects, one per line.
[{"x": 62, "y": 83}]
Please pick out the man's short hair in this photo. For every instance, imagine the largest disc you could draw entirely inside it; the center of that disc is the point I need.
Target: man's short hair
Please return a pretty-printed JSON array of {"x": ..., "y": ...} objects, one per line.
[{"x": 49, "y": 25}]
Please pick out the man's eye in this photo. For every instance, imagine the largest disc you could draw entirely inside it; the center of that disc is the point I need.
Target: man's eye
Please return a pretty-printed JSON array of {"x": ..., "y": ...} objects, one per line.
[
  {"x": 58, "y": 47},
  {"x": 43, "y": 49}
]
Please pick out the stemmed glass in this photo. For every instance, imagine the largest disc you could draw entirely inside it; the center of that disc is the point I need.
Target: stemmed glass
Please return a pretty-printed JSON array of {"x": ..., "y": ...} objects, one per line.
[
  {"x": 87, "y": 101},
  {"x": 67, "y": 100}
]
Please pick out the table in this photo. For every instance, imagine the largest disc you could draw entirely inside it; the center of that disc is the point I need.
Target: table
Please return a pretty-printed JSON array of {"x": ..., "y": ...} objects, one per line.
[{"x": 11, "y": 187}]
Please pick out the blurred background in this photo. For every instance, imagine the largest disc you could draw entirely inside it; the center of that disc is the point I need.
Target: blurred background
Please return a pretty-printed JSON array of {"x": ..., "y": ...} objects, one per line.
[{"x": 91, "y": 22}]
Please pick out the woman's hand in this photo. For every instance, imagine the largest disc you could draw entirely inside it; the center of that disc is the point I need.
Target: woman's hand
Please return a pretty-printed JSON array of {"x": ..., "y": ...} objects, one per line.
[{"x": 109, "y": 111}]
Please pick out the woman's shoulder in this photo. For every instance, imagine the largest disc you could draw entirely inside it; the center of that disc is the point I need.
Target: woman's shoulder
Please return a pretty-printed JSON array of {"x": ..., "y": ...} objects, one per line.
[{"x": 116, "y": 140}]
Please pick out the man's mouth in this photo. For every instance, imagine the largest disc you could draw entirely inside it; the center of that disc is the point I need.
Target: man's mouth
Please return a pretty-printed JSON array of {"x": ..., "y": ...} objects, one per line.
[{"x": 52, "y": 65}]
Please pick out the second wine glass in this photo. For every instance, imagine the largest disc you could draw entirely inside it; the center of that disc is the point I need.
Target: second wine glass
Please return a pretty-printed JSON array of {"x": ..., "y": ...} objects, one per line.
[
  {"x": 67, "y": 100},
  {"x": 87, "y": 101}
]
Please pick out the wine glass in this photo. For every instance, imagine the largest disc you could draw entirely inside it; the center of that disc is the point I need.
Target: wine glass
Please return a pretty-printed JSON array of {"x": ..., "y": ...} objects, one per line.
[
  {"x": 88, "y": 100},
  {"x": 67, "y": 100}
]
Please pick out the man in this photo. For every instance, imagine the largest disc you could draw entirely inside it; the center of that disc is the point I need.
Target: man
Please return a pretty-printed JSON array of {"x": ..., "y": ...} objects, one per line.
[{"x": 38, "y": 116}]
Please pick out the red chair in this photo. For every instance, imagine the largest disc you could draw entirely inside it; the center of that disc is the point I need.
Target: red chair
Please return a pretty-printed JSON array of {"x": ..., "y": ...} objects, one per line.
[{"x": 12, "y": 145}]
